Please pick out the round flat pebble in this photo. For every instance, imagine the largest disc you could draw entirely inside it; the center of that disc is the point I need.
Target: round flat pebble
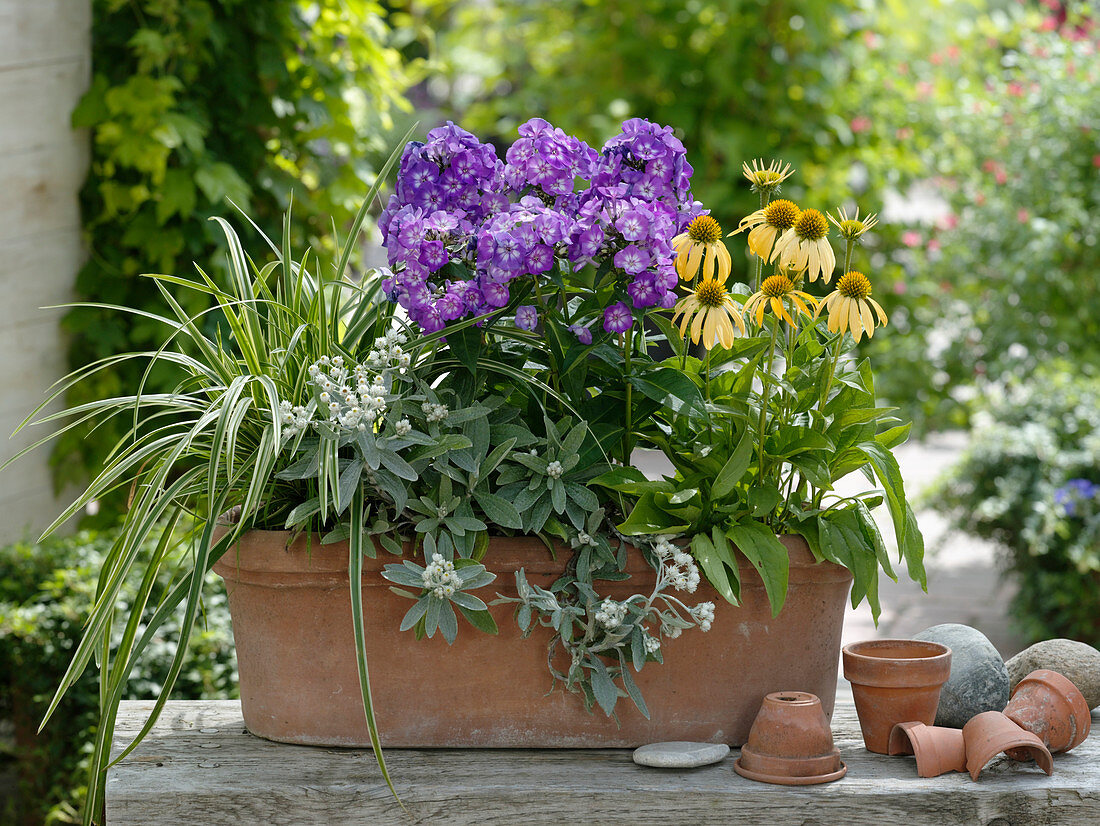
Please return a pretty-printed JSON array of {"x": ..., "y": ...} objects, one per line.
[{"x": 680, "y": 754}]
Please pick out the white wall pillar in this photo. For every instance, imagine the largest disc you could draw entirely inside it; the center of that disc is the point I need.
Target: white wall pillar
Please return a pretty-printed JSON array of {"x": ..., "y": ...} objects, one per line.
[{"x": 45, "y": 66}]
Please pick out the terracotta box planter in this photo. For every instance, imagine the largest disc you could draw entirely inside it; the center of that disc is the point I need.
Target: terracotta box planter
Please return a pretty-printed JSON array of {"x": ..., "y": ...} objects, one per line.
[{"x": 292, "y": 625}]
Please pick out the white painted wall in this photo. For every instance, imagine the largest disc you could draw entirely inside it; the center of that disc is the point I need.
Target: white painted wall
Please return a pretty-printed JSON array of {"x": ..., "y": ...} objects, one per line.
[{"x": 45, "y": 66}]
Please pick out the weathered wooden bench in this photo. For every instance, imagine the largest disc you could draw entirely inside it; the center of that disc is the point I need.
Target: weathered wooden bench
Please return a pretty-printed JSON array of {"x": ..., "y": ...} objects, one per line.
[{"x": 200, "y": 766}]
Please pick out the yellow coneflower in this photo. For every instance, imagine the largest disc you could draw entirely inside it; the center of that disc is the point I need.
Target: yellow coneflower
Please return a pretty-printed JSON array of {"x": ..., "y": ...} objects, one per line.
[
  {"x": 850, "y": 306},
  {"x": 766, "y": 178},
  {"x": 805, "y": 246},
  {"x": 768, "y": 224},
  {"x": 851, "y": 229},
  {"x": 711, "y": 312},
  {"x": 702, "y": 244},
  {"x": 777, "y": 291}
]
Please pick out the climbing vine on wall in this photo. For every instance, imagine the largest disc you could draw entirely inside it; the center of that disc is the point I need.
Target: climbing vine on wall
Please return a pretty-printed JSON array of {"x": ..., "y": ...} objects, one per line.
[{"x": 196, "y": 103}]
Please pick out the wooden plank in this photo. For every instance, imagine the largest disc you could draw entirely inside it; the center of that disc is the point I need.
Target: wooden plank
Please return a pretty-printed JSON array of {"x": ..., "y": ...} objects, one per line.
[
  {"x": 36, "y": 103},
  {"x": 200, "y": 765},
  {"x": 44, "y": 31}
]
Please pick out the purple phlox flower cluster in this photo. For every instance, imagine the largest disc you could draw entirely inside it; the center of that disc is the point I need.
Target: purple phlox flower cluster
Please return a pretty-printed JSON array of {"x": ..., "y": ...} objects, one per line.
[
  {"x": 1074, "y": 492},
  {"x": 522, "y": 241},
  {"x": 446, "y": 188},
  {"x": 639, "y": 200},
  {"x": 462, "y": 224},
  {"x": 547, "y": 160}
]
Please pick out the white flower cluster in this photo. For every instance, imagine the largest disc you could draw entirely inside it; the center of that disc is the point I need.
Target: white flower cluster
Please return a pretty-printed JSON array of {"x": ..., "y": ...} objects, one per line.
[
  {"x": 703, "y": 613},
  {"x": 347, "y": 407},
  {"x": 611, "y": 614},
  {"x": 440, "y": 577},
  {"x": 554, "y": 470},
  {"x": 434, "y": 412},
  {"x": 387, "y": 353},
  {"x": 652, "y": 644},
  {"x": 681, "y": 570},
  {"x": 294, "y": 419}
]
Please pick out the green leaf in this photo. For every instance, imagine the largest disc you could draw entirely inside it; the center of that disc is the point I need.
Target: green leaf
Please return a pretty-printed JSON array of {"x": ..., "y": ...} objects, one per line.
[
  {"x": 499, "y": 510},
  {"x": 481, "y": 620},
  {"x": 715, "y": 566},
  {"x": 646, "y": 518},
  {"x": 767, "y": 554},
  {"x": 602, "y": 686},
  {"x": 627, "y": 480},
  {"x": 448, "y": 622},
  {"x": 397, "y": 466},
  {"x": 734, "y": 468},
  {"x": 414, "y": 614}
]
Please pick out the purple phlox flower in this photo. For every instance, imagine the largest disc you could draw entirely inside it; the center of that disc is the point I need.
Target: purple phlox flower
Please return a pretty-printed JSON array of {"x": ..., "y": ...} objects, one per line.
[
  {"x": 540, "y": 259},
  {"x": 509, "y": 254},
  {"x": 668, "y": 300},
  {"x": 617, "y": 318},
  {"x": 433, "y": 255},
  {"x": 643, "y": 292},
  {"x": 581, "y": 331},
  {"x": 634, "y": 224},
  {"x": 633, "y": 259},
  {"x": 441, "y": 222},
  {"x": 527, "y": 317},
  {"x": 451, "y": 305},
  {"x": 495, "y": 293}
]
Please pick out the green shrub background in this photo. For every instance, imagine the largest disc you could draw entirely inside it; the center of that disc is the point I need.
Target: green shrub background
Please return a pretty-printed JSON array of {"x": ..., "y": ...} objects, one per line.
[{"x": 46, "y": 592}]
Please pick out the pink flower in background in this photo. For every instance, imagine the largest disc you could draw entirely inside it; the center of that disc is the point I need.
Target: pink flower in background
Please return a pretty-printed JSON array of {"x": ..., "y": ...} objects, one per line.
[
  {"x": 949, "y": 221},
  {"x": 1096, "y": 161},
  {"x": 924, "y": 89},
  {"x": 1016, "y": 90},
  {"x": 899, "y": 288},
  {"x": 911, "y": 238},
  {"x": 933, "y": 245},
  {"x": 904, "y": 134},
  {"x": 936, "y": 58},
  {"x": 860, "y": 123},
  {"x": 989, "y": 165},
  {"x": 953, "y": 52},
  {"x": 979, "y": 199},
  {"x": 1023, "y": 216},
  {"x": 1001, "y": 177},
  {"x": 871, "y": 40},
  {"x": 1049, "y": 24}
]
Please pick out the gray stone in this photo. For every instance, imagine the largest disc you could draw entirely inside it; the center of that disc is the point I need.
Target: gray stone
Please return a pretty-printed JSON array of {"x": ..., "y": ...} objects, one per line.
[
  {"x": 1078, "y": 661},
  {"x": 680, "y": 754},
  {"x": 979, "y": 679}
]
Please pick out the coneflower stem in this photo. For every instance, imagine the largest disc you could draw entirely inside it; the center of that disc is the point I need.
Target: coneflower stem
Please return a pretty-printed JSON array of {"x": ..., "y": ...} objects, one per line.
[{"x": 765, "y": 392}]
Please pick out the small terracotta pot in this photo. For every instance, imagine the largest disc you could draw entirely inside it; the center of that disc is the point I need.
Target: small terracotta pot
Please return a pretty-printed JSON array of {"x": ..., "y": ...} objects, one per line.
[
  {"x": 989, "y": 733},
  {"x": 790, "y": 743},
  {"x": 895, "y": 681},
  {"x": 1050, "y": 706},
  {"x": 938, "y": 749}
]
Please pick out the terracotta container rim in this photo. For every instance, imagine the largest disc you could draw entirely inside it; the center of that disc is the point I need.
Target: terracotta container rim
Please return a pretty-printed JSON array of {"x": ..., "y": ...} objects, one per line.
[
  {"x": 251, "y": 555},
  {"x": 896, "y": 662}
]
